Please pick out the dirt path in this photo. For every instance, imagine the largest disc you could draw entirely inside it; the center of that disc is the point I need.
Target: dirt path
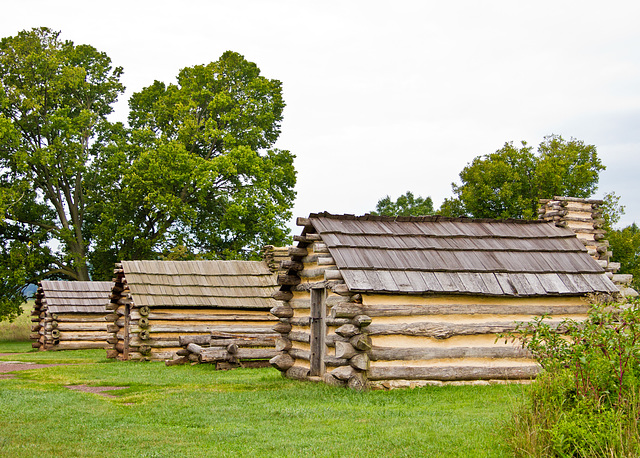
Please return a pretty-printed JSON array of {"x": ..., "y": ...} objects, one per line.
[{"x": 11, "y": 366}]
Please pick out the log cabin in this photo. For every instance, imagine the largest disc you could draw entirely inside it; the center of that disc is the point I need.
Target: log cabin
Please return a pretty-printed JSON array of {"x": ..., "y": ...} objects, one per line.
[
  {"x": 381, "y": 302},
  {"x": 70, "y": 315},
  {"x": 156, "y": 303}
]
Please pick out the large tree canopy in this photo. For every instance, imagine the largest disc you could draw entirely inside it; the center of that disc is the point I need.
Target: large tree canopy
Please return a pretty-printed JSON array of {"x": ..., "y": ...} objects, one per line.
[
  {"x": 54, "y": 99},
  {"x": 510, "y": 182},
  {"x": 195, "y": 171},
  {"x": 405, "y": 205},
  {"x": 203, "y": 174}
]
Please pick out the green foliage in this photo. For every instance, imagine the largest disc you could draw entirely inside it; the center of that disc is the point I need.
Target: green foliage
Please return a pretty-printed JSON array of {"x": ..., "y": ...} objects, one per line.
[
  {"x": 203, "y": 175},
  {"x": 54, "y": 99},
  {"x": 195, "y": 169},
  {"x": 586, "y": 401},
  {"x": 510, "y": 182},
  {"x": 405, "y": 205},
  {"x": 625, "y": 245}
]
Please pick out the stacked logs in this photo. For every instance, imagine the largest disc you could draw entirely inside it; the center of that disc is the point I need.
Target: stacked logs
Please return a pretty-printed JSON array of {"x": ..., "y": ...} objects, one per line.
[
  {"x": 225, "y": 351},
  {"x": 119, "y": 303},
  {"x": 311, "y": 267},
  {"x": 273, "y": 256},
  {"x": 584, "y": 217},
  {"x": 39, "y": 320},
  {"x": 69, "y": 315}
]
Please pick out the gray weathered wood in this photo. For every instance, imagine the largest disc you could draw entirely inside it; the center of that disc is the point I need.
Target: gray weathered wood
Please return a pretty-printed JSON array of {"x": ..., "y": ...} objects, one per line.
[
  {"x": 425, "y": 353},
  {"x": 454, "y": 373}
]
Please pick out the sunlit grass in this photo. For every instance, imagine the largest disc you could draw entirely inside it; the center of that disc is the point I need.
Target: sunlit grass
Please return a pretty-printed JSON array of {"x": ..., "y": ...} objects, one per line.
[
  {"x": 196, "y": 411},
  {"x": 20, "y": 328}
]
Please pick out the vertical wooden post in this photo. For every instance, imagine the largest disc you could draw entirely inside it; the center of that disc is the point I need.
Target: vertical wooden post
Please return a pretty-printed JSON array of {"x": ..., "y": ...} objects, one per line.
[
  {"x": 318, "y": 331},
  {"x": 127, "y": 325}
]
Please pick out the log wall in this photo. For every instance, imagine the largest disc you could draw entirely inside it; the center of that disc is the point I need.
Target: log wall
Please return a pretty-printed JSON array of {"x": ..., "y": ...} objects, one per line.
[
  {"x": 153, "y": 333},
  {"x": 344, "y": 346},
  {"x": 66, "y": 330}
]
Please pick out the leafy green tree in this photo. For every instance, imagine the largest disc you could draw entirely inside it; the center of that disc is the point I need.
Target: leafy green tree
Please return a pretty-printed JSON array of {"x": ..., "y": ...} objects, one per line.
[
  {"x": 510, "y": 182},
  {"x": 625, "y": 245},
  {"x": 405, "y": 205},
  {"x": 54, "y": 101},
  {"x": 204, "y": 174}
]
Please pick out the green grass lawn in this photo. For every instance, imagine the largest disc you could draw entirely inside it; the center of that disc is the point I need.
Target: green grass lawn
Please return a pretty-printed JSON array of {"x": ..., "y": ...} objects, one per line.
[{"x": 193, "y": 411}]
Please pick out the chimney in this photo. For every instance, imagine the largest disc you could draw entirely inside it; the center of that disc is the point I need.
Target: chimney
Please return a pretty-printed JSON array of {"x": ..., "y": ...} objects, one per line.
[{"x": 584, "y": 217}]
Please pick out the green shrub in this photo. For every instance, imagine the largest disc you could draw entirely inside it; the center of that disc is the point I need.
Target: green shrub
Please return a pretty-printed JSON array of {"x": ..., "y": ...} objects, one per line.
[{"x": 585, "y": 403}]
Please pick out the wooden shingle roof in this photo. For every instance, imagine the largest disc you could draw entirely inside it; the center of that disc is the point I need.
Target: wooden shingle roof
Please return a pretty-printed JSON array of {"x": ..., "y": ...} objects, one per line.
[
  {"x": 434, "y": 254},
  {"x": 217, "y": 284},
  {"x": 76, "y": 296}
]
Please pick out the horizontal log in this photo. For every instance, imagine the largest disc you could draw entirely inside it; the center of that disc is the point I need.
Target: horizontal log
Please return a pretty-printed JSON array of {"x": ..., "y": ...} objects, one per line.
[
  {"x": 283, "y": 310},
  {"x": 343, "y": 373},
  {"x": 380, "y": 310},
  {"x": 94, "y": 326},
  {"x": 306, "y": 321},
  {"x": 297, "y": 252},
  {"x": 283, "y": 344},
  {"x": 325, "y": 261},
  {"x": 177, "y": 361},
  {"x": 332, "y": 274},
  {"x": 345, "y": 350},
  {"x": 284, "y": 296},
  {"x": 287, "y": 264},
  {"x": 112, "y": 353},
  {"x": 93, "y": 336},
  {"x": 426, "y": 353},
  {"x": 195, "y": 348},
  {"x": 360, "y": 362},
  {"x": 297, "y": 373},
  {"x": 330, "y": 361},
  {"x": 459, "y": 373},
  {"x": 181, "y": 316},
  {"x": 282, "y": 327},
  {"x": 442, "y": 330},
  {"x": 282, "y": 362},
  {"x": 198, "y": 340},
  {"x": 256, "y": 353},
  {"x": 348, "y": 330},
  {"x": 81, "y": 317},
  {"x": 80, "y": 345},
  {"x": 362, "y": 321},
  {"x": 300, "y": 221},
  {"x": 305, "y": 337},
  {"x": 361, "y": 342},
  {"x": 341, "y": 289},
  {"x": 187, "y": 328},
  {"x": 266, "y": 342},
  {"x": 347, "y": 310},
  {"x": 289, "y": 280},
  {"x": 213, "y": 354}
]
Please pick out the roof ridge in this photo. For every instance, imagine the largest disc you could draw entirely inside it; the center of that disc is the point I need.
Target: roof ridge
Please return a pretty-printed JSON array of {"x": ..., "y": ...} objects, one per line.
[{"x": 425, "y": 219}]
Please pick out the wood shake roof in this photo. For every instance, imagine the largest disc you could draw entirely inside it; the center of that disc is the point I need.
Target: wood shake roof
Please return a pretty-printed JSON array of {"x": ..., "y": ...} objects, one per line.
[
  {"x": 218, "y": 284},
  {"x": 76, "y": 296},
  {"x": 434, "y": 254}
]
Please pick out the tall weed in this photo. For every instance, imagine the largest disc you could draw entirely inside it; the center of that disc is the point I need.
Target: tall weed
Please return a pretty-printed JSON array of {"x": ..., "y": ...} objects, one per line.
[{"x": 586, "y": 402}]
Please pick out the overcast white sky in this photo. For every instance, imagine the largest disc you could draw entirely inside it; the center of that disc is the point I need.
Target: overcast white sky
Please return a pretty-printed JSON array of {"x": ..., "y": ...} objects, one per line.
[{"x": 386, "y": 97}]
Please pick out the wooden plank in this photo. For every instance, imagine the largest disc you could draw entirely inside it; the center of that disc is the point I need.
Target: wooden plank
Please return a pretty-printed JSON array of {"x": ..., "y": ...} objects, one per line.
[
  {"x": 453, "y": 373},
  {"x": 427, "y": 353}
]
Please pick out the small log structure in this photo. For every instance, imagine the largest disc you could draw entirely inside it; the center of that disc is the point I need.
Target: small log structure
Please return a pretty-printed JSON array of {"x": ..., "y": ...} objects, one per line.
[
  {"x": 225, "y": 351},
  {"x": 156, "y": 303},
  {"x": 70, "y": 315},
  {"x": 380, "y": 302}
]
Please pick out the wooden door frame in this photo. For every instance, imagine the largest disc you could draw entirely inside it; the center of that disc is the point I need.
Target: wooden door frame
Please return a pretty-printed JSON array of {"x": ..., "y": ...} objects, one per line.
[{"x": 318, "y": 317}]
